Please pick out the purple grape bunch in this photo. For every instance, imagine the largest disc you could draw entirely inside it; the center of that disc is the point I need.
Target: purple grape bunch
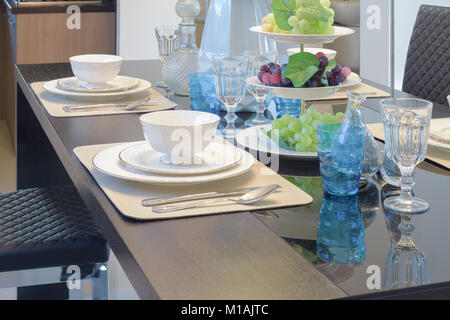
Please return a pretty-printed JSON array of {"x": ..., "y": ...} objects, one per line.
[{"x": 271, "y": 74}]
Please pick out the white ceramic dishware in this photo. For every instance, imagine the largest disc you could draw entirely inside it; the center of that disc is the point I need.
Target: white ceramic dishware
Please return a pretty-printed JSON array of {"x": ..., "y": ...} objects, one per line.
[
  {"x": 96, "y": 69},
  {"x": 217, "y": 156},
  {"x": 120, "y": 83},
  {"x": 330, "y": 54},
  {"x": 52, "y": 86},
  {"x": 438, "y": 144},
  {"x": 305, "y": 38},
  {"x": 440, "y": 130},
  {"x": 308, "y": 93},
  {"x": 179, "y": 134},
  {"x": 256, "y": 140},
  {"x": 108, "y": 162}
]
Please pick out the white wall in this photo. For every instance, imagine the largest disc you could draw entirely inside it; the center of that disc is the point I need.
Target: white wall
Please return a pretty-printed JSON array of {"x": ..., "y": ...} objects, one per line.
[
  {"x": 136, "y": 21},
  {"x": 375, "y": 59},
  {"x": 405, "y": 13}
]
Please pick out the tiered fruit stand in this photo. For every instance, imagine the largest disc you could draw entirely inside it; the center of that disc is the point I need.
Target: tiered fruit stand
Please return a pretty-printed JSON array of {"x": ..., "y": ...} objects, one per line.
[{"x": 302, "y": 39}]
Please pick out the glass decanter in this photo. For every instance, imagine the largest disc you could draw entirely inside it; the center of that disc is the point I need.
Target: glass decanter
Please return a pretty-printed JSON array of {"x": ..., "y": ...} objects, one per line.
[
  {"x": 184, "y": 61},
  {"x": 353, "y": 115}
]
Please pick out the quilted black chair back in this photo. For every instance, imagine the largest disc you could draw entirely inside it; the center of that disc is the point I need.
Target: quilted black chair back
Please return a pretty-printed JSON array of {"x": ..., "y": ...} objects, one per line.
[{"x": 427, "y": 64}]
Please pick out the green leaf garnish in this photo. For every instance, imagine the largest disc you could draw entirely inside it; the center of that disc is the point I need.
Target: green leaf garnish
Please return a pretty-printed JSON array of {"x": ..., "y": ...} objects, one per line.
[
  {"x": 282, "y": 10},
  {"x": 301, "y": 67},
  {"x": 313, "y": 10},
  {"x": 331, "y": 65}
]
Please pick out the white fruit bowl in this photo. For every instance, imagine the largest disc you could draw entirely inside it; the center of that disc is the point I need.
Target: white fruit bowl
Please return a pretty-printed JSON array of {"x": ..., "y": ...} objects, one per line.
[
  {"x": 305, "y": 38},
  {"x": 307, "y": 93},
  {"x": 331, "y": 54}
]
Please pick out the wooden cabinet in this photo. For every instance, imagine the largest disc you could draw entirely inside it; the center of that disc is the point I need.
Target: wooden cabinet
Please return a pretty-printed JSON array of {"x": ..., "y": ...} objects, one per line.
[{"x": 40, "y": 34}]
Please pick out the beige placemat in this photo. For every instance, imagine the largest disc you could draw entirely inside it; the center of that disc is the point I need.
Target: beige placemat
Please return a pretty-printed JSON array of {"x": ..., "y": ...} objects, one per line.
[
  {"x": 127, "y": 195},
  {"x": 368, "y": 90},
  {"x": 434, "y": 154},
  {"x": 54, "y": 103}
]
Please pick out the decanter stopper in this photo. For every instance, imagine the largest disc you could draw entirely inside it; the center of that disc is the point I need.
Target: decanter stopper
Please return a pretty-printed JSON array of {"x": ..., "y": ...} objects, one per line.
[{"x": 187, "y": 10}]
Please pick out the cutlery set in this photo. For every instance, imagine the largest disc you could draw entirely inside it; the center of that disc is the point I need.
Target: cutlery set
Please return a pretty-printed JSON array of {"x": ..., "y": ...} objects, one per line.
[{"x": 123, "y": 106}]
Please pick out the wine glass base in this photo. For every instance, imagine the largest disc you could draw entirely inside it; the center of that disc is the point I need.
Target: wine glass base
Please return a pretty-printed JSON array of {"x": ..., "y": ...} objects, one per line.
[
  {"x": 415, "y": 205},
  {"x": 228, "y": 133},
  {"x": 257, "y": 122},
  {"x": 162, "y": 85}
]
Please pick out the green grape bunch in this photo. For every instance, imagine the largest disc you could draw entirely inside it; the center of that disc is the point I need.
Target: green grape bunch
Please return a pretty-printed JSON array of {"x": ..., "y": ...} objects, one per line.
[
  {"x": 300, "y": 134},
  {"x": 299, "y": 17}
]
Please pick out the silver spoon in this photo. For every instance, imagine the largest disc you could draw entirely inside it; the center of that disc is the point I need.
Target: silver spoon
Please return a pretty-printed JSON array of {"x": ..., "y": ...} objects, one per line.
[{"x": 248, "y": 198}]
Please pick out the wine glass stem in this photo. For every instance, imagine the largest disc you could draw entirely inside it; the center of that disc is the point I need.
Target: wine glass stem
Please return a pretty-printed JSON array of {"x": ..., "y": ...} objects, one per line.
[
  {"x": 231, "y": 116},
  {"x": 260, "y": 108},
  {"x": 407, "y": 183},
  {"x": 406, "y": 229}
]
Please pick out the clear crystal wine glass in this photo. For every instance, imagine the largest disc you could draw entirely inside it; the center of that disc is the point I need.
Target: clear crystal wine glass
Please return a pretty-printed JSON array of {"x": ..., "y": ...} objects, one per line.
[
  {"x": 406, "y": 128},
  {"x": 168, "y": 42},
  {"x": 256, "y": 60},
  {"x": 230, "y": 73}
]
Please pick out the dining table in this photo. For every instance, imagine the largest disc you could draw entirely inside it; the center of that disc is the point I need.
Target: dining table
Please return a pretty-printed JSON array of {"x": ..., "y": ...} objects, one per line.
[{"x": 269, "y": 254}]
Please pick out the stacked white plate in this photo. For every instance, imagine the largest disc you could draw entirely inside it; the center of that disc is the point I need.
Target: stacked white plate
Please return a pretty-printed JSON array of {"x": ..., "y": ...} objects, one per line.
[
  {"x": 138, "y": 161},
  {"x": 440, "y": 134},
  {"x": 117, "y": 88},
  {"x": 256, "y": 140}
]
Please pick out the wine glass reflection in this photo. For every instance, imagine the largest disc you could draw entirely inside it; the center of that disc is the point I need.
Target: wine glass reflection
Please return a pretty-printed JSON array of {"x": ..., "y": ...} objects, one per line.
[{"x": 406, "y": 265}]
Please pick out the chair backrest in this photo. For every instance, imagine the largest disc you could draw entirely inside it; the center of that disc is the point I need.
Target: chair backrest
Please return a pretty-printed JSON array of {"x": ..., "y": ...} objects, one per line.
[{"x": 427, "y": 64}]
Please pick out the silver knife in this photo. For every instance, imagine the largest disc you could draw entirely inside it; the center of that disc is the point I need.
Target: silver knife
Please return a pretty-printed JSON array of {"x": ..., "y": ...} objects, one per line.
[{"x": 207, "y": 195}]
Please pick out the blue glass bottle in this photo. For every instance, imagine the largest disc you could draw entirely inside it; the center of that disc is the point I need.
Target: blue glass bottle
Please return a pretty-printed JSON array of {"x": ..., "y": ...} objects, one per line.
[
  {"x": 340, "y": 232},
  {"x": 202, "y": 92},
  {"x": 353, "y": 116}
]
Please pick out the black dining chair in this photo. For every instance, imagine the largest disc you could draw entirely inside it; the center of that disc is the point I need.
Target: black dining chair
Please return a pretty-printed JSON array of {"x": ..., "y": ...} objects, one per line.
[
  {"x": 45, "y": 228},
  {"x": 427, "y": 64}
]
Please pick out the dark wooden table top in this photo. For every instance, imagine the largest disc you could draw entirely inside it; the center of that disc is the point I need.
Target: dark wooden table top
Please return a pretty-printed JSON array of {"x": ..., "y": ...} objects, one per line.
[{"x": 228, "y": 256}]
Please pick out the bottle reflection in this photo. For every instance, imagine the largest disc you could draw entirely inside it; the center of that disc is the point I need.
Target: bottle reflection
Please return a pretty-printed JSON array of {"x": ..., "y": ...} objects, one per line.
[
  {"x": 340, "y": 232},
  {"x": 369, "y": 202},
  {"x": 406, "y": 265}
]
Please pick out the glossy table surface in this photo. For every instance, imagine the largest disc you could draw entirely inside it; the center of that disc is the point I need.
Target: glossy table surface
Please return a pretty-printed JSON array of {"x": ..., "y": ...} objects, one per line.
[{"x": 265, "y": 255}]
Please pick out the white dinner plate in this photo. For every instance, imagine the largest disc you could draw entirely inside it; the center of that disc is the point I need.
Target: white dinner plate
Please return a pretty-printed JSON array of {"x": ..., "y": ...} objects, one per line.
[
  {"x": 438, "y": 144},
  {"x": 305, "y": 38},
  {"x": 255, "y": 139},
  {"x": 120, "y": 83},
  {"x": 52, "y": 86},
  {"x": 440, "y": 129},
  {"x": 218, "y": 156},
  {"x": 307, "y": 93},
  {"x": 108, "y": 162}
]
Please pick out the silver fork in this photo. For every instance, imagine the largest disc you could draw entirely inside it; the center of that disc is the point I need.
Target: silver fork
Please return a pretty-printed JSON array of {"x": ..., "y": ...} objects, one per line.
[{"x": 123, "y": 106}]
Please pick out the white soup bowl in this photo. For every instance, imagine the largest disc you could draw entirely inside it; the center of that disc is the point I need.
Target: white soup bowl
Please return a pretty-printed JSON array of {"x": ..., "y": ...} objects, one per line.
[
  {"x": 96, "y": 69},
  {"x": 179, "y": 134}
]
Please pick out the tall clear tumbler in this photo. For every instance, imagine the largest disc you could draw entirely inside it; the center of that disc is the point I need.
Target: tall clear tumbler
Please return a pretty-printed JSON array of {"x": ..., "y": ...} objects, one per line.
[
  {"x": 406, "y": 128},
  {"x": 230, "y": 73}
]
